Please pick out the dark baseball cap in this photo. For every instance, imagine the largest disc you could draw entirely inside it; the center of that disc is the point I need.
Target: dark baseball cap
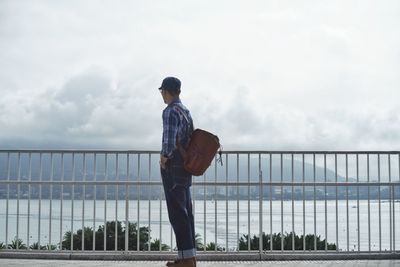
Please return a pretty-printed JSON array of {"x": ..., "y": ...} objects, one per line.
[{"x": 171, "y": 84}]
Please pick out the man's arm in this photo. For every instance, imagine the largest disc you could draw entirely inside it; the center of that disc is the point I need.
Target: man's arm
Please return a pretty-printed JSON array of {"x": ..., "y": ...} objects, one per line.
[{"x": 170, "y": 131}]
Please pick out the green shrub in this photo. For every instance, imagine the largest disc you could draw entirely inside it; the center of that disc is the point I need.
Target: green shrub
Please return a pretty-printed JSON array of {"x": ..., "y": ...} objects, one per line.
[
  {"x": 17, "y": 243},
  {"x": 144, "y": 238},
  {"x": 287, "y": 242}
]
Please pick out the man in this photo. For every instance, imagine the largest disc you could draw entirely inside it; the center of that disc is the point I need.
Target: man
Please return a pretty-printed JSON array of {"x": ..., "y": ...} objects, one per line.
[{"x": 177, "y": 128}]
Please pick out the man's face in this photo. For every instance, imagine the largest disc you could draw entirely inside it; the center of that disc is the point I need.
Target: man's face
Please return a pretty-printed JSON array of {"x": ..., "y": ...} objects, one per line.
[{"x": 164, "y": 95}]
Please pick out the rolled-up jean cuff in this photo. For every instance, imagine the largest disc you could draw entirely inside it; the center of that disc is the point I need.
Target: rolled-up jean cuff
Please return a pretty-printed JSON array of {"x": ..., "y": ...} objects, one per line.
[{"x": 188, "y": 253}]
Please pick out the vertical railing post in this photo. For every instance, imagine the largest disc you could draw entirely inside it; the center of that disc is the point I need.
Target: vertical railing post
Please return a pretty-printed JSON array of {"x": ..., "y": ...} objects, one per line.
[
  {"x": 72, "y": 201},
  {"x": 138, "y": 207},
  {"x": 83, "y": 202},
  {"x": 149, "y": 248},
  {"x": 29, "y": 201},
  {"x": 94, "y": 200},
  {"x": 347, "y": 202},
  {"x": 369, "y": 206},
  {"x": 193, "y": 211},
  {"x": 260, "y": 204},
  {"x": 237, "y": 203},
  {"x": 215, "y": 206},
  {"x": 116, "y": 202},
  {"x": 270, "y": 202},
  {"x": 205, "y": 212},
  {"x": 127, "y": 205},
  {"x": 358, "y": 203},
  {"x": 8, "y": 195},
  {"x": 379, "y": 201},
  {"x": 248, "y": 202},
  {"x": 40, "y": 197},
  {"x": 61, "y": 201},
  {"x": 394, "y": 204},
  {"x": 282, "y": 243},
  {"x": 326, "y": 207},
  {"x": 336, "y": 206},
  {"x": 304, "y": 204},
  {"x": 390, "y": 205},
  {"x": 315, "y": 206},
  {"x": 161, "y": 197},
  {"x": 293, "y": 234},
  {"x": 392, "y": 187},
  {"x": 226, "y": 202},
  {"x": 18, "y": 189},
  {"x": 51, "y": 198},
  {"x": 105, "y": 200}
]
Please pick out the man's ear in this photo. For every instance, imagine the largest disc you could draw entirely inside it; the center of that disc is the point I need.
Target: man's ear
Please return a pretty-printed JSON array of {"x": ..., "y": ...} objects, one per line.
[{"x": 168, "y": 94}]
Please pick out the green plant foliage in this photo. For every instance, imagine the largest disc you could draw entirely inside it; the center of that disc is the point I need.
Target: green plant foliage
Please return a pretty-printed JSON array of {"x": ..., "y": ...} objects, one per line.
[
  {"x": 50, "y": 247},
  {"x": 155, "y": 245},
  {"x": 199, "y": 242},
  {"x": 36, "y": 246},
  {"x": 211, "y": 246},
  {"x": 17, "y": 243},
  {"x": 114, "y": 234},
  {"x": 287, "y": 242},
  {"x": 144, "y": 239}
]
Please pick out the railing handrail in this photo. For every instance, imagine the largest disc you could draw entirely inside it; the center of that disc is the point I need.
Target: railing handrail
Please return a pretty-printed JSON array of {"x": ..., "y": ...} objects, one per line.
[
  {"x": 133, "y": 151},
  {"x": 199, "y": 183}
]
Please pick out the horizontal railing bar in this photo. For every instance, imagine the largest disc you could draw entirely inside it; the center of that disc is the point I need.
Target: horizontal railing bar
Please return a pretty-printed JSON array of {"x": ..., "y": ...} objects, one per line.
[
  {"x": 77, "y": 151},
  {"x": 393, "y": 183},
  {"x": 234, "y": 258},
  {"x": 102, "y": 151},
  {"x": 9, "y": 252},
  {"x": 306, "y": 152}
]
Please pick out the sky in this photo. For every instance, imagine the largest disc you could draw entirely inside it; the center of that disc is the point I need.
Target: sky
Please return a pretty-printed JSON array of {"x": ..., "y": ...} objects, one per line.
[{"x": 262, "y": 75}]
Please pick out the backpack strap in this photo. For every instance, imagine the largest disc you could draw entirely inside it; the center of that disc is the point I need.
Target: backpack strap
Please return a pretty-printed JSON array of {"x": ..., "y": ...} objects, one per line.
[
  {"x": 178, "y": 144},
  {"x": 184, "y": 115}
]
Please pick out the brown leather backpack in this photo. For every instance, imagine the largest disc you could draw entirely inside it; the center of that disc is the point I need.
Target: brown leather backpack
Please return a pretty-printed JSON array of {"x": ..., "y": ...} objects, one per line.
[
  {"x": 200, "y": 152},
  {"x": 202, "y": 148}
]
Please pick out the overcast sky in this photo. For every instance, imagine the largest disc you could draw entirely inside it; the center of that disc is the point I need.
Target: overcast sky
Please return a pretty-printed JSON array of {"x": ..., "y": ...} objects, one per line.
[{"x": 281, "y": 75}]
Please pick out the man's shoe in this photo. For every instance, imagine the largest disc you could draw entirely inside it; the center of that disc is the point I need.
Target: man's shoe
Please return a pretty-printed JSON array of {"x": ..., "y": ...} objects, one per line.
[
  {"x": 189, "y": 262},
  {"x": 171, "y": 263}
]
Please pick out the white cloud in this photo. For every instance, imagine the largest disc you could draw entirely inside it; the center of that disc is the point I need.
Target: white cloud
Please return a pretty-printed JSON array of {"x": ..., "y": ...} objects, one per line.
[{"x": 262, "y": 75}]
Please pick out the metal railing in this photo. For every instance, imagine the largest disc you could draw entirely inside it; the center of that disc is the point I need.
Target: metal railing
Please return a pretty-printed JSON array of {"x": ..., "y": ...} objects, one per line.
[{"x": 305, "y": 194}]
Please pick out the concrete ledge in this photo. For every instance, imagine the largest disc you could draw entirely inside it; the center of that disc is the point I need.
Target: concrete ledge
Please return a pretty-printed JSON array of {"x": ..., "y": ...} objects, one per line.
[
  {"x": 201, "y": 256},
  {"x": 11, "y": 254},
  {"x": 331, "y": 256}
]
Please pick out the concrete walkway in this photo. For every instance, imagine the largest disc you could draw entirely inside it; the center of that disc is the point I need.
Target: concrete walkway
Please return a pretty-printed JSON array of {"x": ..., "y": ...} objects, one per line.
[{"x": 76, "y": 263}]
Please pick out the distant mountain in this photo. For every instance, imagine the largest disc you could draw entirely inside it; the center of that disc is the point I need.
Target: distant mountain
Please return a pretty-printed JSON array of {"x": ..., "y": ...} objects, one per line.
[{"x": 143, "y": 174}]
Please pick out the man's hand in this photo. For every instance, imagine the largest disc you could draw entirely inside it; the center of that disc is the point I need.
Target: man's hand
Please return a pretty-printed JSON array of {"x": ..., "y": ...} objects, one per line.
[{"x": 163, "y": 161}]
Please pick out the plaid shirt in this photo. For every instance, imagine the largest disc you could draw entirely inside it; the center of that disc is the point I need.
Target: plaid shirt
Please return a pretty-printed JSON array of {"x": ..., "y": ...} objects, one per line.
[{"x": 175, "y": 125}]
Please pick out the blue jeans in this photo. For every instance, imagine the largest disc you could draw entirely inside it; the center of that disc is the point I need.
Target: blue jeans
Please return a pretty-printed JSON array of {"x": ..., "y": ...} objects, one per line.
[{"x": 177, "y": 182}]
